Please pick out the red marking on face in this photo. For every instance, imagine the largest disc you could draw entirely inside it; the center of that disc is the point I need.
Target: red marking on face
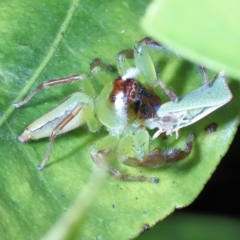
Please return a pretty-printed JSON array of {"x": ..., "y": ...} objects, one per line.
[
  {"x": 144, "y": 102},
  {"x": 129, "y": 88}
]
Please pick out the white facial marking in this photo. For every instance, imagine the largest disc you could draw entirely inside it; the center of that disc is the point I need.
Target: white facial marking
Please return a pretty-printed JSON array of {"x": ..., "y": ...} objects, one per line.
[
  {"x": 119, "y": 103},
  {"x": 131, "y": 73},
  {"x": 121, "y": 110}
]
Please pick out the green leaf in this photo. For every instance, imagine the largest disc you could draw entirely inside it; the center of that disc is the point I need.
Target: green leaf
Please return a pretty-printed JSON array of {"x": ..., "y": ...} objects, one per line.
[
  {"x": 204, "y": 31},
  {"x": 44, "y": 40}
]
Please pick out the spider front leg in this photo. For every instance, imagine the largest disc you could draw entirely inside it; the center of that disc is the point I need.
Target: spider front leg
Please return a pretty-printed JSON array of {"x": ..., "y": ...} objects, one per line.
[
  {"x": 104, "y": 152},
  {"x": 145, "y": 64},
  {"x": 75, "y": 111},
  {"x": 57, "y": 130},
  {"x": 158, "y": 158},
  {"x": 124, "y": 61},
  {"x": 60, "y": 81},
  {"x": 100, "y": 71}
]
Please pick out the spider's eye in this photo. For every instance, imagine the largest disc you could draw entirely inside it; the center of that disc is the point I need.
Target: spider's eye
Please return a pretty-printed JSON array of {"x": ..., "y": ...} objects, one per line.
[
  {"x": 134, "y": 95},
  {"x": 113, "y": 98}
]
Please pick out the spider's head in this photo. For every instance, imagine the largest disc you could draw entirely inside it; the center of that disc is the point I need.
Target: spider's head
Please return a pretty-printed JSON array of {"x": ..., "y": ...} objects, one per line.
[{"x": 132, "y": 99}]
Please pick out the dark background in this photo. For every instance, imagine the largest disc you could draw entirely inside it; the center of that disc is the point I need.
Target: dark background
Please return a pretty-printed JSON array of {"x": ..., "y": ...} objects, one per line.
[{"x": 221, "y": 195}]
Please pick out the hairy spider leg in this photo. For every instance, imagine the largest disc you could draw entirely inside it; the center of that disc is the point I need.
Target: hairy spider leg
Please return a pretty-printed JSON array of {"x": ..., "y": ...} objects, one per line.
[
  {"x": 73, "y": 112},
  {"x": 124, "y": 61},
  {"x": 107, "y": 150},
  {"x": 100, "y": 71},
  {"x": 133, "y": 150},
  {"x": 146, "y": 66},
  {"x": 57, "y": 130},
  {"x": 55, "y": 82}
]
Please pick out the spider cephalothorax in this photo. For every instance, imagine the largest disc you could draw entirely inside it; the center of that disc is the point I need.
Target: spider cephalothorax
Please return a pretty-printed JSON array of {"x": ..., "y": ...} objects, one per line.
[{"x": 140, "y": 101}]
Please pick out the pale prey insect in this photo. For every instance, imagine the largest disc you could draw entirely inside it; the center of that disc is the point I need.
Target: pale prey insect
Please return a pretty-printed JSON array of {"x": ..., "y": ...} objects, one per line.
[{"x": 127, "y": 107}]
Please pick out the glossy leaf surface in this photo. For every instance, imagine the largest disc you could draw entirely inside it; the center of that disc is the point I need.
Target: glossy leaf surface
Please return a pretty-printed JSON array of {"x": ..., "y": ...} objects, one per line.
[
  {"x": 203, "y": 31},
  {"x": 45, "y": 40}
]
